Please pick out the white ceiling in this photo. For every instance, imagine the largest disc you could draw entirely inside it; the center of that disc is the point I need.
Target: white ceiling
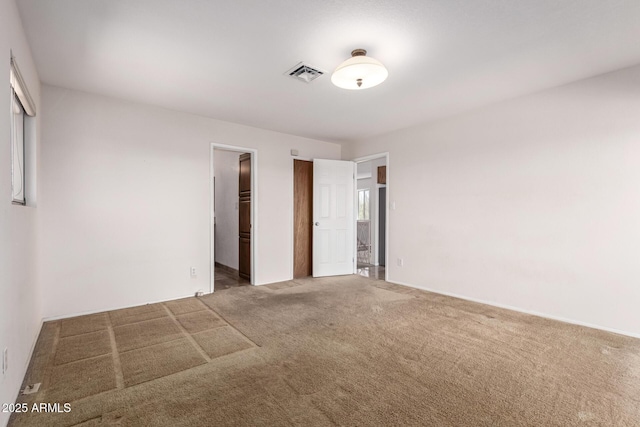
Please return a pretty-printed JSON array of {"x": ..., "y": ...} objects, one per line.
[{"x": 226, "y": 59}]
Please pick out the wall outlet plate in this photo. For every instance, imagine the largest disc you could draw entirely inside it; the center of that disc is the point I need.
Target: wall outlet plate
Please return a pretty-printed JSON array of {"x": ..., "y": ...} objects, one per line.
[{"x": 192, "y": 271}]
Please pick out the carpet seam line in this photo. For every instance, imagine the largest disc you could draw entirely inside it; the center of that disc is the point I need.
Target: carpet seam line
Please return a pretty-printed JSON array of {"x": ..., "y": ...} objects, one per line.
[
  {"x": 233, "y": 327},
  {"x": 187, "y": 335},
  {"x": 115, "y": 356},
  {"x": 46, "y": 380}
]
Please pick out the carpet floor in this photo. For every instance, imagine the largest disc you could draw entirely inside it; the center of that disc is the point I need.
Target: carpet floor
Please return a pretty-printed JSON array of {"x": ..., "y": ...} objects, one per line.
[{"x": 332, "y": 351}]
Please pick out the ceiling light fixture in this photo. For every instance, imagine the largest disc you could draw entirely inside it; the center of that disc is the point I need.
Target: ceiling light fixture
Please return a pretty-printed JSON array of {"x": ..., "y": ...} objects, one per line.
[{"x": 359, "y": 72}]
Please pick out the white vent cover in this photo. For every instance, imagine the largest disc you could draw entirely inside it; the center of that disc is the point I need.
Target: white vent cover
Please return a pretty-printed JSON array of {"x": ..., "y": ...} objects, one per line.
[{"x": 304, "y": 72}]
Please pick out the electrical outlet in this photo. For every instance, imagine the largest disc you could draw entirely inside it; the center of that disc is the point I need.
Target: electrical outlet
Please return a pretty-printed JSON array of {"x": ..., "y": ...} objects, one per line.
[
  {"x": 192, "y": 271},
  {"x": 5, "y": 360},
  {"x": 400, "y": 262}
]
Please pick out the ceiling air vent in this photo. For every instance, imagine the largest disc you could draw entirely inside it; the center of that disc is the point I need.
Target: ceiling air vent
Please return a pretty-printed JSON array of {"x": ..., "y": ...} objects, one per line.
[{"x": 304, "y": 72}]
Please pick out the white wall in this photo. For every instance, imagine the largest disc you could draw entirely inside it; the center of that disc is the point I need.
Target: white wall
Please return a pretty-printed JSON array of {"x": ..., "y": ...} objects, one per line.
[
  {"x": 532, "y": 203},
  {"x": 227, "y": 170},
  {"x": 20, "y": 297},
  {"x": 124, "y": 202},
  {"x": 363, "y": 183}
]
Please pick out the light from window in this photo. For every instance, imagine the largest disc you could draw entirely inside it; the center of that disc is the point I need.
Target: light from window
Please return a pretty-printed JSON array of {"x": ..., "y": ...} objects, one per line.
[{"x": 363, "y": 205}]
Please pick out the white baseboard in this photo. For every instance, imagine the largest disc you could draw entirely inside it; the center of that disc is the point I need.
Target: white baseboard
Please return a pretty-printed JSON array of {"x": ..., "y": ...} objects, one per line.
[
  {"x": 25, "y": 366},
  {"x": 84, "y": 313},
  {"x": 520, "y": 310}
]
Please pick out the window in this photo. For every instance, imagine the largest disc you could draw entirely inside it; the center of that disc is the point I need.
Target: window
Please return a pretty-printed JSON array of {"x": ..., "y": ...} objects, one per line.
[
  {"x": 363, "y": 205},
  {"x": 17, "y": 151},
  {"x": 22, "y": 107}
]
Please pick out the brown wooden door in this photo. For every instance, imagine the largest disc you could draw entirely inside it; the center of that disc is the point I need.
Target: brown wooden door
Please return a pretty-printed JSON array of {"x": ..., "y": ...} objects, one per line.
[
  {"x": 302, "y": 218},
  {"x": 244, "y": 212}
]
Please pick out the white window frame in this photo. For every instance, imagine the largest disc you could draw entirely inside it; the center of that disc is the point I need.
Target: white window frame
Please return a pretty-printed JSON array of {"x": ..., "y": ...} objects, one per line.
[
  {"x": 17, "y": 150},
  {"x": 22, "y": 107}
]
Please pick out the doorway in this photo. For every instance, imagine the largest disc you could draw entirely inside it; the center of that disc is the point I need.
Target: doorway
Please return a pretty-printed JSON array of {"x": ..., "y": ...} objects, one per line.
[
  {"x": 371, "y": 222},
  {"x": 323, "y": 223},
  {"x": 372, "y": 250},
  {"x": 233, "y": 171}
]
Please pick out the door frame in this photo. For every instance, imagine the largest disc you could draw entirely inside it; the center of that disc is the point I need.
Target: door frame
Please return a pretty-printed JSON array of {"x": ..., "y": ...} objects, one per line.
[
  {"x": 384, "y": 155},
  {"x": 254, "y": 208}
]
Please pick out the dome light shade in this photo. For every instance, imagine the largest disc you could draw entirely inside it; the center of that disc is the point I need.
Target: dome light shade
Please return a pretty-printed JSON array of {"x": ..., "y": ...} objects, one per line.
[{"x": 359, "y": 72}]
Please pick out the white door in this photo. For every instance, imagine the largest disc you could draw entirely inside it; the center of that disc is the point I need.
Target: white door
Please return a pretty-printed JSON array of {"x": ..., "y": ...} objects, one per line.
[{"x": 333, "y": 217}]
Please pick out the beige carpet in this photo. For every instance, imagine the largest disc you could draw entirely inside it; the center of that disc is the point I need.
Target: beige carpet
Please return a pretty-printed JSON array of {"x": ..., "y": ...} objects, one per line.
[
  {"x": 83, "y": 346},
  {"x": 332, "y": 351},
  {"x": 149, "y": 363}
]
